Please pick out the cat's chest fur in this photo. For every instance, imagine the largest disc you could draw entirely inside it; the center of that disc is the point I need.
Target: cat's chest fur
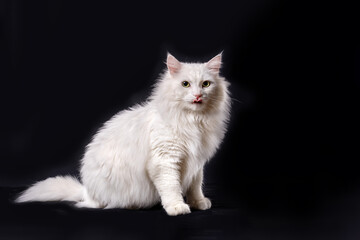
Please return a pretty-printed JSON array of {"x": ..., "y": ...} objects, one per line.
[{"x": 198, "y": 137}]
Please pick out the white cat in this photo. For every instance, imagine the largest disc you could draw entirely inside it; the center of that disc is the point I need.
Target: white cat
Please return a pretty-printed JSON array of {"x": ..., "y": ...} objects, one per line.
[{"x": 155, "y": 151}]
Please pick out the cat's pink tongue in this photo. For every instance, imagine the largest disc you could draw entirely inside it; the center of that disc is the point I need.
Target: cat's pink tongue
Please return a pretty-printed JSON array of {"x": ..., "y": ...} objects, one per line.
[{"x": 198, "y": 100}]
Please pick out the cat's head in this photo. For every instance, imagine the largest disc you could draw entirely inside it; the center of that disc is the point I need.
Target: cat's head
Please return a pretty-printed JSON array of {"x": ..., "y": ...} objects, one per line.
[{"x": 193, "y": 86}]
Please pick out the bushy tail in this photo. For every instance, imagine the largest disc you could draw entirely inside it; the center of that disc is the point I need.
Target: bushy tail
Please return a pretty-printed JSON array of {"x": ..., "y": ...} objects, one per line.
[{"x": 59, "y": 188}]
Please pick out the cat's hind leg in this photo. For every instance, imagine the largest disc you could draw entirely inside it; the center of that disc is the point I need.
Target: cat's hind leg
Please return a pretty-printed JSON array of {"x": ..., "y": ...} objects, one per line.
[{"x": 88, "y": 202}]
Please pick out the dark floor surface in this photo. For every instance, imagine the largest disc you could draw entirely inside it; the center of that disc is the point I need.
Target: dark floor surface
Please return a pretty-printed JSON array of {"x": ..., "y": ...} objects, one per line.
[{"x": 338, "y": 219}]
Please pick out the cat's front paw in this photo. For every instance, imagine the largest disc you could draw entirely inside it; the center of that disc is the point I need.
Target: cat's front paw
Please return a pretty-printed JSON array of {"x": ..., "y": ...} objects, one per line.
[
  {"x": 201, "y": 204},
  {"x": 177, "y": 209}
]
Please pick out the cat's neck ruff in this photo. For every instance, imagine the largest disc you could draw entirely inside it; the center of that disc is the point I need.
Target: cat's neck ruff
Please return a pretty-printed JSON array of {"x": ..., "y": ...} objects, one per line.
[{"x": 174, "y": 116}]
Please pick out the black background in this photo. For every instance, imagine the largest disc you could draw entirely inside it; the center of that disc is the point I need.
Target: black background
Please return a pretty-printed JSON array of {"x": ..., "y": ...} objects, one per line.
[{"x": 287, "y": 168}]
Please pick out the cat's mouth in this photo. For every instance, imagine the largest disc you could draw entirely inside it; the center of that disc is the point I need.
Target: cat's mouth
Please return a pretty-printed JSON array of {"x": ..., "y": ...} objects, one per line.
[{"x": 197, "y": 101}]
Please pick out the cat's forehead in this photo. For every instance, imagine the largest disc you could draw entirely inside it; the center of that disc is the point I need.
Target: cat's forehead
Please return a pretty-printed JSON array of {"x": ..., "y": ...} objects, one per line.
[{"x": 195, "y": 71}]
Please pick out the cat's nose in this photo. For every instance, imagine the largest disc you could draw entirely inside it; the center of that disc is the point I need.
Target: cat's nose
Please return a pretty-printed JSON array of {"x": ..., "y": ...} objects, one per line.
[{"x": 198, "y": 96}]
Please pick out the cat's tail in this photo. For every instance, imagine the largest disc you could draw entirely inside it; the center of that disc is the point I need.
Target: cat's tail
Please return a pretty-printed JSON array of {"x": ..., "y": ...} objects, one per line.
[{"x": 59, "y": 188}]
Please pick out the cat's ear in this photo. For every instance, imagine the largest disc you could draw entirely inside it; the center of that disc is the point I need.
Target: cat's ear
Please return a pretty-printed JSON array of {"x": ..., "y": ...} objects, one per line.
[
  {"x": 214, "y": 64},
  {"x": 173, "y": 64}
]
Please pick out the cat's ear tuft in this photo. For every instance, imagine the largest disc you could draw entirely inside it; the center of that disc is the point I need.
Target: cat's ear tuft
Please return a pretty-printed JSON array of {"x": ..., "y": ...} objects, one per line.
[
  {"x": 173, "y": 64},
  {"x": 214, "y": 64}
]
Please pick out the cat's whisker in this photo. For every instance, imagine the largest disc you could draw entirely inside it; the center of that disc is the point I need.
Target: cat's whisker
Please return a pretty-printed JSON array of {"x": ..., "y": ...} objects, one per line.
[{"x": 236, "y": 100}]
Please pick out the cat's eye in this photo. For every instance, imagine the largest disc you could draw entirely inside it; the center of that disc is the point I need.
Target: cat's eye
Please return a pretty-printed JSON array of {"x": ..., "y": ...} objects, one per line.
[
  {"x": 206, "y": 83},
  {"x": 185, "y": 84}
]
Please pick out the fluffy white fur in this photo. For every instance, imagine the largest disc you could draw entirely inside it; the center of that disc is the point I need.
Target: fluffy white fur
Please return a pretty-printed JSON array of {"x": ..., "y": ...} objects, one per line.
[{"x": 155, "y": 151}]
